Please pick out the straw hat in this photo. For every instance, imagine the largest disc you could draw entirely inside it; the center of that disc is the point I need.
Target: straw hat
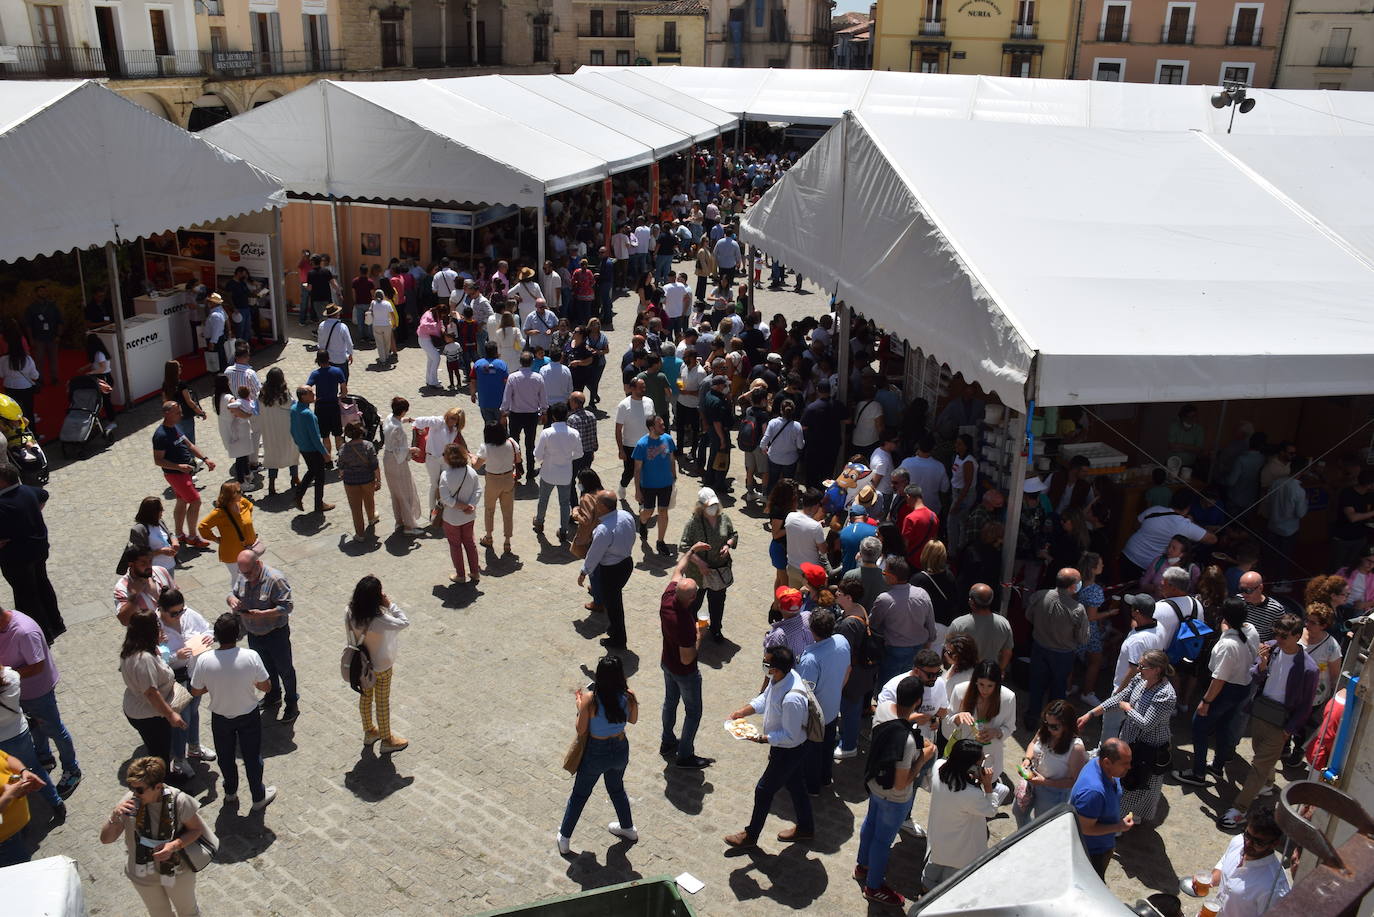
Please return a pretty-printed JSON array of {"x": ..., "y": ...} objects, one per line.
[
  {"x": 526, "y": 273},
  {"x": 332, "y": 311},
  {"x": 214, "y": 298}
]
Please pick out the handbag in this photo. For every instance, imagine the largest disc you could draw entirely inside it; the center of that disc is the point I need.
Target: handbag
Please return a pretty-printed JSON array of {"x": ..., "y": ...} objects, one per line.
[
  {"x": 181, "y": 698},
  {"x": 199, "y": 853},
  {"x": 418, "y": 441},
  {"x": 722, "y": 461},
  {"x": 355, "y": 664},
  {"x": 1267, "y": 710},
  {"x": 1147, "y": 761},
  {"x": 572, "y": 759},
  {"x": 258, "y": 547}
]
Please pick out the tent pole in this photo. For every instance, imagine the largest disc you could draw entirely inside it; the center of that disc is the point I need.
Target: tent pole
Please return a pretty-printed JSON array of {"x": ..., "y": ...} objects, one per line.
[
  {"x": 607, "y": 192},
  {"x": 842, "y": 347},
  {"x": 653, "y": 190},
  {"x": 117, "y": 306},
  {"x": 334, "y": 226},
  {"x": 1216, "y": 440},
  {"x": 539, "y": 246},
  {"x": 278, "y": 270},
  {"x": 1016, "y": 432}
]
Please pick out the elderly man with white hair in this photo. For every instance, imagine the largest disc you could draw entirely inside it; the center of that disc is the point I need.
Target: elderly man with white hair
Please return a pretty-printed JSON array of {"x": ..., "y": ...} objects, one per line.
[{"x": 1175, "y": 605}]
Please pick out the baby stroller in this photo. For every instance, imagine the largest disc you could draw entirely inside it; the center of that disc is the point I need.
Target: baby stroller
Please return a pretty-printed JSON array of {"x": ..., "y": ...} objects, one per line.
[
  {"x": 24, "y": 451},
  {"x": 82, "y": 423},
  {"x": 366, "y": 414}
]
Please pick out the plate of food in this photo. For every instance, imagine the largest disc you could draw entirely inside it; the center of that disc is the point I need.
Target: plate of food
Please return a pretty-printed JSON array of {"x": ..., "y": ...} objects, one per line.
[{"x": 742, "y": 729}]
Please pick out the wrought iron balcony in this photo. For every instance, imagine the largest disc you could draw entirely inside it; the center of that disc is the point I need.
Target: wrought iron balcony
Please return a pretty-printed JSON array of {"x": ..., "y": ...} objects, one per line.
[
  {"x": 1251, "y": 37},
  {"x": 1171, "y": 35},
  {"x": 1108, "y": 32},
  {"x": 1024, "y": 30},
  {"x": 428, "y": 57},
  {"x": 1336, "y": 57},
  {"x": 40, "y": 62}
]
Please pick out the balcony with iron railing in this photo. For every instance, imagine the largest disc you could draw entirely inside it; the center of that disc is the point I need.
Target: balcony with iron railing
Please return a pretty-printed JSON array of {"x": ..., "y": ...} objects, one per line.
[
  {"x": 932, "y": 27},
  {"x": 40, "y": 62},
  {"x": 1108, "y": 32},
  {"x": 209, "y": 7},
  {"x": 1176, "y": 35},
  {"x": 1336, "y": 57},
  {"x": 667, "y": 45},
  {"x": 430, "y": 57},
  {"x": 1251, "y": 37},
  {"x": 586, "y": 31},
  {"x": 1024, "y": 30}
]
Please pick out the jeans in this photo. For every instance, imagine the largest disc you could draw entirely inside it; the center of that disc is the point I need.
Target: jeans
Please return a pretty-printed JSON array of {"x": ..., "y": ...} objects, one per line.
[
  {"x": 714, "y": 600},
  {"x": 314, "y": 474},
  {"x": 880, "y": 827},
  {"x": 234, "y": 734},
  {"x": 245, "y": 324},
  {"x": 688, "y": 689},
  {"x": 603, "y": 757},
  {"x": 564, "y": 504},
  {"x": 613, "y": 580},
  {"x": 1045, "y": 798},
  {"x": 364, "y": 330},
  {"x": 1219, "y": 712},
  {"x": 525, "y": 427},
  {"x": 896, "y": 659},
  {"x": 777, "y": 472},
  {"x": 156, "y": 734},
  {"x": 22, "y": 747},
  {"x": 851, "y": 718},
  {"x": 275, "y": 649},
  {"x": 47, "y": 724},
  {"x": 1049, "y": 669},
  {"x": 785, "y": 767},
  {"x": 663, "y": 266},
  {"x": 191, "y": 734},
  {"x": 820, "y": 758}
]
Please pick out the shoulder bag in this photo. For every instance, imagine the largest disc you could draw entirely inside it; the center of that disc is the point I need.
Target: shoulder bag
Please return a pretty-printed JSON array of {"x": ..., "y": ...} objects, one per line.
[
  {"x": 201, "y": 852},
  {"x": 355, "y": 665}
]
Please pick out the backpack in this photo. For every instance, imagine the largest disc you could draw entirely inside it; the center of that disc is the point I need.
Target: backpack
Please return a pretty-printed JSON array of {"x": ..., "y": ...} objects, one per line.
[
  {"x": 887, "y": 747},
  {"x": 1191, "y": 636},
  {"x": 748, "y": 435},
  {"x": 355, "y": 665},
  {"x": 815, "y": 720}
]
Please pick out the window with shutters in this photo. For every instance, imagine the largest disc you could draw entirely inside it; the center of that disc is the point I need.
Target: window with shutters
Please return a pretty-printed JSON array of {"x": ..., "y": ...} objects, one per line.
[
  {"x": 598, "y": 23},
  {"x": 1109, "y": 71},
  {"x": 1115, "y": 24}
]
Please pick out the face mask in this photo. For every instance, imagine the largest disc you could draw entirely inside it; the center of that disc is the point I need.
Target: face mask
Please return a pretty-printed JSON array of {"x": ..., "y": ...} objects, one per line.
[
  {"x": 1187, "y": 425},
  {"x": 1077, "y": 586},
  {"x": 713, "y": 510},
  {"x": 1172, "y": 561}
]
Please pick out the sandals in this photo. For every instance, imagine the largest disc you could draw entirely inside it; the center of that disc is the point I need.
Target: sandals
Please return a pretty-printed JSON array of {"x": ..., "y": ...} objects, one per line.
[{"x": 486, "y": 541}]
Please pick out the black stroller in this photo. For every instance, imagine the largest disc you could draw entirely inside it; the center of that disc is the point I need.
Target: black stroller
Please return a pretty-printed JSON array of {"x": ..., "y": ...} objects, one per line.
[
  {"x": 82, "y": 423},
  {"x": 368, "y": 417}
]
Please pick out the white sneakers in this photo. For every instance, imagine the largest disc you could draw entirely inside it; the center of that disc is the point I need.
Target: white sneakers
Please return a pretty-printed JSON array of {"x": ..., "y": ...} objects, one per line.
[
  {"x": 564, "y": 844},
  {"x": 629, "y": 834},
  {"x": 266, "y": 800},
  {"x": 841, "y": 754}
]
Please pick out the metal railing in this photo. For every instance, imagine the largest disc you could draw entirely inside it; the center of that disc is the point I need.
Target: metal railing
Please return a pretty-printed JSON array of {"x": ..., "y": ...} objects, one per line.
[
  {"x": 209, "y": 8},
  {"x": 932, "y": 28},
  {"x": 1336, "y": 57},
  {"x": 1170, "y": 35},
  {"x": 586, "y": 31},
  {"x": 1107, "y": 33},
  {"x": 429, "y": 57},
  {"x": 49, "y": 62},
  {"x": 668, "y": 45},
  {"x": 1250, "y": 37},
  {"x": 1024, "y": 29}
]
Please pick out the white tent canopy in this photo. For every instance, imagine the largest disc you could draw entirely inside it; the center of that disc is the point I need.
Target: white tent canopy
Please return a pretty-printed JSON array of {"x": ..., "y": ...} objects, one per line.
[
  {"x": 1127, "y": 266},
  {"x": 84, "y": 166},
  {"x": 823, "y": 96},
  {"x": 492, "y": 139}
]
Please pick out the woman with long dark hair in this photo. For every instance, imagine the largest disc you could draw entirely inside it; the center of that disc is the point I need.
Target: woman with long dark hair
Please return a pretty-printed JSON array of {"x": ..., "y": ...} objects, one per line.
[
  {"x": 279, "y": 449},
  {"x": 374, "y": 621},
  {"x": 149, "y": 532},
  {"x": 782, "y": 499},
  {"x": 174, "y": 388},
  {"x": 603, "y": 710},
  {"x": 986, "y": 711},
  {"x": 963, "y": 796},
  {"x": 1052, "y": 759},
  {"x": 100, "y": 368},
  {"x": 148, "y": 685},
  {"x": 19, "y": 372},
  {"x": 499, "y": 455}
]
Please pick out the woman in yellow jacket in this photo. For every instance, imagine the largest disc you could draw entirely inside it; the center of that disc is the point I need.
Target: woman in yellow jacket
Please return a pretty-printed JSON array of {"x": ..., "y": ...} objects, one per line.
[{"x": 230, "y": 525}]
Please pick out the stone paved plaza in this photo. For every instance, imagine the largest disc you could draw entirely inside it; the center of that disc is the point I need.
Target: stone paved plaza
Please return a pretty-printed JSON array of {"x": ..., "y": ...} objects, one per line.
[{"x": 464, "y": 820}]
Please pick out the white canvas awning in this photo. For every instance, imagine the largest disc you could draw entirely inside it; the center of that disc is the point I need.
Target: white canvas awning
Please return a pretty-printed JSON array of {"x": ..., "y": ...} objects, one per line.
[
  {"x": 823, "y": 96},
  {"x": 491, "y": 139},
  {"x": 1127, "y": 266},
  {"x": 83, "y": 166}
]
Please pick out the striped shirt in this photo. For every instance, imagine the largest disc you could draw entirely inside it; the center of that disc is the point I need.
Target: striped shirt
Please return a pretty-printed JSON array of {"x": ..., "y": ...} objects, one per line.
[{"x": 584, "y": 422}]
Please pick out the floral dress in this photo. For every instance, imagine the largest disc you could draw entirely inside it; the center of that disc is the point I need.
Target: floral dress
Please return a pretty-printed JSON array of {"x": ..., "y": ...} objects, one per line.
[{"x": 1092, "y": 596}]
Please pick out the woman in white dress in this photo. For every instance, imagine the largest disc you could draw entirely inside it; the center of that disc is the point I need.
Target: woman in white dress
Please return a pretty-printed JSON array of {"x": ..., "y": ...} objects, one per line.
[
  {"x": 396, "y": 457},
  {"x": 279, "y": 449},
  {"x": 235, "y": 429},
  {"x": 509, "y": 340}
]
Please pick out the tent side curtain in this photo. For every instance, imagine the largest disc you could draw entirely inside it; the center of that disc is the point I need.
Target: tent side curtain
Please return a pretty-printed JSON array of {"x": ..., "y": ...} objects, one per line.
[
  {"x": 844, "y": 216},
  {"x": 87, "y": 167}
]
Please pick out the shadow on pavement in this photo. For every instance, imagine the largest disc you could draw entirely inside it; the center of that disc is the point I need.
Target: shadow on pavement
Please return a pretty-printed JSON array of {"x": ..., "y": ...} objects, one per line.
[
  {"x": 586, "y": 872},
  {"x": 374, "y": 777},
  {"x": 241, "y": 832},
  {"x": 795, "y": 878}
]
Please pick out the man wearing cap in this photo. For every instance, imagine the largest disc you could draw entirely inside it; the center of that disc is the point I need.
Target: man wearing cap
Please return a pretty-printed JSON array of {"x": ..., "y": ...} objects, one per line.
[
  {"x": 524, "y": 295},
  {"x": 334, "y": 340},
  {"x": 1033, "y": 534},
  {"x": 1059, "y": 625},
  {"x": 609, "y": 560},
  {"x": 719, "y": 418},
  {"x": 770, "y": 371},
  {"x": 903, "y": 616},
  {"x": 793, "y": 629},
  {"x": 860, "y": 526},
  {"x": 681, "y": 675}
]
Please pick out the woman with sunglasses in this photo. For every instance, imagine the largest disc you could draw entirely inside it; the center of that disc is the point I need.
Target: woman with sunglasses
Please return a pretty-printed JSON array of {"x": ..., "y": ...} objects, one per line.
[
  {"x": 185, "y": 634},
  {"x": 1053, "y": 760},
  {"x": 987, "y": 712},
  {"x": 1328, "y": 655},
  {"x": 1149, "y": 701},
  {"x": 149, "y": 817}
]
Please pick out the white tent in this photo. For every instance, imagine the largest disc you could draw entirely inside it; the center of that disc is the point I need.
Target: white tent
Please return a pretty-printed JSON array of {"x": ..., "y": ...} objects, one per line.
[
  {"x": 654, "y": 100},
  {"x": 496, "y": 140},
  {"x": 1121, "y": 266},
  {"x": 823, "y": 96},
  {"x": 84, "y": 166}
]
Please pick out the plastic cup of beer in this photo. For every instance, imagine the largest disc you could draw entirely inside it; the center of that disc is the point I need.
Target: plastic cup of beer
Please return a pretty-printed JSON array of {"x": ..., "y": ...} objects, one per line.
[
  {"x": 1208, "y": 909},
  {"x": 1202, "y": 884},
  {"x": 703, "y": 620}
]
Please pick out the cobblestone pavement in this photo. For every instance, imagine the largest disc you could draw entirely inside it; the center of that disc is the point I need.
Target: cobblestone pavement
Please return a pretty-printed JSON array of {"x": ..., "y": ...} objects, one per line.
[{"x": 465, "y": 818}]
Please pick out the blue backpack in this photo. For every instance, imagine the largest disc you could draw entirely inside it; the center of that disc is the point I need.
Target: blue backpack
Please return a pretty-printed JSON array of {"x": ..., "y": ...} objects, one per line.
[{"x": 1191, "y": 636}]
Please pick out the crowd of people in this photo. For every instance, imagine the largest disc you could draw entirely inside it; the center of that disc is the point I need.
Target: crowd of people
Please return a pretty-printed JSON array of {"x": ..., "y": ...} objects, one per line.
[{"x": 884, "y": 540}]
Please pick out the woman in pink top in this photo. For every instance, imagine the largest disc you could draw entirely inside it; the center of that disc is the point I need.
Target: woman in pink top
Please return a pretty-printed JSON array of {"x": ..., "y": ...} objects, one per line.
[{"x": 431, "y": 335}]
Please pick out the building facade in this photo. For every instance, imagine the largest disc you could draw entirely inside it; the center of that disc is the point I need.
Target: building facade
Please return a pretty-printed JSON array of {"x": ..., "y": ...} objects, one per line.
[
  {"x": 1025, "y": 38},
  {"x": 194, "y": 62},
  {"x": 769, "y": 33},
  {"x": 388, "y": 40},
  {"x": 671, "y": 33},
  {"x": 1181, "y": 41},
  {"x": 1328, "y": 45},
  {"x": 853, "y": 48}
]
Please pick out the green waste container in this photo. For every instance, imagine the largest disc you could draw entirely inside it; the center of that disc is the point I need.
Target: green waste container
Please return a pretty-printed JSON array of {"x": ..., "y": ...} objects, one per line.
[{"x": 657, "y": 897}]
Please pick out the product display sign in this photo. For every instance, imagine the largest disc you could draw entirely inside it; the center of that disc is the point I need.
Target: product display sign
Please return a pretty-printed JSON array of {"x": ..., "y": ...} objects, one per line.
[{"x": 234, "y": 250}]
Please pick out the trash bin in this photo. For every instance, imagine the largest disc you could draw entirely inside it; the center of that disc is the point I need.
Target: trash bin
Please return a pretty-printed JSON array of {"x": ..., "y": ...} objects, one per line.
[{"x": 657, "y": 897}]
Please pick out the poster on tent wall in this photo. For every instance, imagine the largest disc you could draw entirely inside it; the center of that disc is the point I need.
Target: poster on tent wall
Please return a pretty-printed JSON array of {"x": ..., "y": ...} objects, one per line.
[{"x": 250, "y": 250}]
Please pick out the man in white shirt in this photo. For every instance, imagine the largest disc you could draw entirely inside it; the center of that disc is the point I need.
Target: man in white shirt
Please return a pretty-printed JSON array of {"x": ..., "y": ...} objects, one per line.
[
  {"x": 556, "y": 449},
  {"x": 557, "y": 378},
  {"x": 881, "y": 465},
  {"x": 1157, "y": 526},
  {"x": 522, "y": 407},
  {"x": 643, "y": 250},
  {"x": 1175, "y": 604},
  {"x": 693, "y": 377},
  {"x": 1143, "y": 637},
  {"x": 677, "y": 299},
  {"x": 446, "y": 281},
  {"x": 927, "y": 715},
  {"x": 333, "y": 338},
  {"x": 631, "y": 423},
  {"x": 620, "y": 250},
  {"x": 805, "y": 536},
  {"x": 241, "y": 372},
  {"x": 232, "y": 677},
  {"x": 1222, "y": 699},
  {"x": 1249, "y": 878},
  {"x": 784, "y": 706}
]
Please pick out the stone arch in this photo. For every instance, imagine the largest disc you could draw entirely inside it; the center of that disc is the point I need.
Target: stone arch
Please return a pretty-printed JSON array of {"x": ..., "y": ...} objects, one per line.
[
  {"x": 264, "y": 94},
  {"x": 163, "y": 108},
  {"x": 210, "y": 109}
]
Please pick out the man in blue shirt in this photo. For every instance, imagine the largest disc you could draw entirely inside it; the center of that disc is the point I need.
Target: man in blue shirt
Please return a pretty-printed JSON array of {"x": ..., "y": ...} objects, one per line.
[
  {"x": 608, "y": 560},
  {"x": 487, "y": 383},
  {"x": 860, "y": 527},
  {"x": 305, "y": 431},
  {"x": 328, "y": 383},
  {"x": 825, "y": 664},
  {"x": 1096, "y": 800},
  {"x": 655, "y": 475}
]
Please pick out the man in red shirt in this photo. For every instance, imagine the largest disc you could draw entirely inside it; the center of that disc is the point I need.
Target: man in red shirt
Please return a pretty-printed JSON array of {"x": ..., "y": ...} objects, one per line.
[
  {"x": 584, "y": 294},
  {"x": 919, "y": 526},
  {"x": 681, "y": 677}
]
